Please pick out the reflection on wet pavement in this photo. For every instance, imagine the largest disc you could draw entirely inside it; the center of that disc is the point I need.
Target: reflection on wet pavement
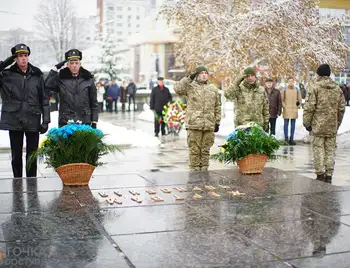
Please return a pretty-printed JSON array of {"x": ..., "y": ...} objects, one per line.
[{"x": 281, "y": 219}]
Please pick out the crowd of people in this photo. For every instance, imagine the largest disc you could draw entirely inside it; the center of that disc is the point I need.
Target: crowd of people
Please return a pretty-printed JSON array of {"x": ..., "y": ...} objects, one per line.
[{"x": 110, "y": 93}]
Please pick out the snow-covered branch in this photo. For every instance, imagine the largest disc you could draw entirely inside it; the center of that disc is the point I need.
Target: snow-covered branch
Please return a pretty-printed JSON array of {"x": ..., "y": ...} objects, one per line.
[{"x": 228, "y": 35}]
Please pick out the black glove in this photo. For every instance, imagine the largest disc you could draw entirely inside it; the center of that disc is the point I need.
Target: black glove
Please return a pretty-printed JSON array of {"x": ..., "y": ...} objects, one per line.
[
  {"x": 7, "y": 62},
  {"x": 193, "y": 76},
  {"x": 216, "y": 128},
  {"x": 308, "y": 128},
  {"x": 59, "y": 65},
  {"x": 94, "y": 125},
  {"x": 43, "y": 128},
  {"x": 298, "y": 103}
]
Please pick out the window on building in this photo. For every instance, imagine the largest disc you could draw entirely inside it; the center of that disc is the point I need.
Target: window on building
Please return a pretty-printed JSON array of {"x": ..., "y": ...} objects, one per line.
[
  {"x": 129, "y": 8},
  {"x": 119, "y": 33},
  {"x": 130, "y": 33},
  {"x": 119, "y": 8},
  {"x": 129, "y": 17},
  {"x": 129, "y": 25},
  {"x": 119, "y": 40},
  {"x": 110, "y": 8},
  {"x": 137, "y": 17},
  {"x": 138, "y": 26},
  {"x": 120, "y": 25},
  {"x": 138, "y": 9},
  {"x": 119, "y": 16}
]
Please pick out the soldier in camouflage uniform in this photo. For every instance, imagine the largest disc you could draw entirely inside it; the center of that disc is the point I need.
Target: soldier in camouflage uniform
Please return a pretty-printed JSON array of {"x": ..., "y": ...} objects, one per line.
[
  {"x": 323, "y": 114},
  {"x": 203, "y": 116},
  {"x": 250, "y": 99}
]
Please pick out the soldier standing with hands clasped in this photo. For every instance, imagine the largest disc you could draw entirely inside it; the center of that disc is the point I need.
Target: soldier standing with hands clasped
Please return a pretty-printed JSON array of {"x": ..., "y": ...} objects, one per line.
[
  {"x": 25, "y": 107},
  {"x": 203, "y": 116},
  {"x": 77, "y": 90},
  {"x": 323, "y": 114}
]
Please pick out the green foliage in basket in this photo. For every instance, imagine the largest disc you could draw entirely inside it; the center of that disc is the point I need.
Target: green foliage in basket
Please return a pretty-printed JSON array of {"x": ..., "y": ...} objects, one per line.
[
  {"x": 245, "y": 140},
  {"x": 73, "y": 143}
]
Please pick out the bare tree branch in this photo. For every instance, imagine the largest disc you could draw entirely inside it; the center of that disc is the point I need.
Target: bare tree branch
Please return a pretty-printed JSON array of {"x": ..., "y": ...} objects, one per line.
[{"x": 56, "y": 23}]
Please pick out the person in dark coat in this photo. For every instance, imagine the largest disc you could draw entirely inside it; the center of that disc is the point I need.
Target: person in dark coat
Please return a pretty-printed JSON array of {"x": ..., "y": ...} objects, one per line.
[
  {"x": 77, "y": 90},
  {"x": 275, "y": 105},
  {"x": 113, "y": 93},
  {"x": 160, "y": 96},
  {"x": 123, "y": 95},
  {"x": 131, "y": 88},
  {"x": 25, "y": 107}
]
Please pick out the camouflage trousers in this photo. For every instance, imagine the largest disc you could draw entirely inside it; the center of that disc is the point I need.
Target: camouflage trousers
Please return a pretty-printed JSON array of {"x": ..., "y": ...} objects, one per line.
[
  {"x": 323, "y": 150},
  {"x": 199, "y": 143}
]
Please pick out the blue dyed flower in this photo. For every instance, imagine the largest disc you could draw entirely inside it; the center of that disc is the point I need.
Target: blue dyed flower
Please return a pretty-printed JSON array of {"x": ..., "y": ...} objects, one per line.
[{"x": 68, "y": 130}]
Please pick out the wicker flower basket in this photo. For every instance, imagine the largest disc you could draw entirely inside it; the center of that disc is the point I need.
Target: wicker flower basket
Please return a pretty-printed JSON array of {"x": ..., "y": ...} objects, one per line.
[
  {"x": 252, "y": 164},
  {"x": 76, "y": 174}
]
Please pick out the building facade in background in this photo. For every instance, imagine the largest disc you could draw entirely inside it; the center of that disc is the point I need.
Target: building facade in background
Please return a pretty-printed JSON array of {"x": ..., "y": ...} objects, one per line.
[{"x": 152, "y": 49}]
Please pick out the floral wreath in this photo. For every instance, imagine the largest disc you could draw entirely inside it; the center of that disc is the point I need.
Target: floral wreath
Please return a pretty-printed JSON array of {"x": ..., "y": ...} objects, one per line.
[{"x": 174, "y": 115}]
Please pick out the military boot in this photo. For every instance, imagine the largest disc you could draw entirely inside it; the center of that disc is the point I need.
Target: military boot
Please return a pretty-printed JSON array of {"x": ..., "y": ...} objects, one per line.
[
  {"x": 321, "y": 177},
  {"x": 286, "y": 140},
  {"x": 328, "y": 179}
]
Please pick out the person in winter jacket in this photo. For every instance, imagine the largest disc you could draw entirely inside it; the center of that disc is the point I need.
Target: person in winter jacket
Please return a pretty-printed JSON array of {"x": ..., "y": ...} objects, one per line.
[
  {"x": 291, "y": 101},
  {"x": 100, "y": 95},
  {"x": 275, "y": 105},
  {"x": 113, "y": 93},
  {"x": 203, "y": 116},
  {"x": 77, "y": 90},
  {"x": 250, "y": 100},
  {"x": 25, "y": 107},
  {"x": 323, "y": 114},
  {"x": 131, "y": 88},
  {"x": 160, "y": 96},
  {"x": 123, "y": 94}
]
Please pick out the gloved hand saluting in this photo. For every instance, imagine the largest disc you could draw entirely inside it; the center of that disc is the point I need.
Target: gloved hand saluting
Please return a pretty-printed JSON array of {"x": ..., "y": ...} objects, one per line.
[
  {"x": 298, "y": 103},
  {"x": 216, "y": 127},
  {"x": 193, "y": 76},
  {"x": 60, "y": 65},
  {"x": 43, "y": 128},
  {"x": 7, "y": 62},
  {"x": 308, "y": 128},
  {"x": 94, "y": 125}
]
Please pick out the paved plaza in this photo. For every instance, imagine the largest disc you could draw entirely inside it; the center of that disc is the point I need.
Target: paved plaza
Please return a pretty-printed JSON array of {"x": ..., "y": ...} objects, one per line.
[{"x": 283, "y": 218}]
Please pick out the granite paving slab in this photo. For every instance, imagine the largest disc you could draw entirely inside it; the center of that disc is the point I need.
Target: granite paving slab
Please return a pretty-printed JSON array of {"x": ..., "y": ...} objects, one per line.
[
  {"x": 320, "y": 260},
  {"x": 122, "y": 221},
  {"x": 92, "y": 252},
  {"x": 210, "y": 247},
  {"x": 295, "y": 239}
]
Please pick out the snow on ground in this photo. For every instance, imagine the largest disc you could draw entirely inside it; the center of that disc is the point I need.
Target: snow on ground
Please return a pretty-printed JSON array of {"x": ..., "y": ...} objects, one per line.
[
  {"x": 146, "y": 114},
  {"x": 115, "y": 135},
  {"x": 227, "y": 126}
]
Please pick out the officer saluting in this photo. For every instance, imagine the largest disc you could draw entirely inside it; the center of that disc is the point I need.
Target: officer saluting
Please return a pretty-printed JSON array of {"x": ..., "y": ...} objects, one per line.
[
  {"x": 25, "y": 106},
  {"x": 77, "y": 91}
]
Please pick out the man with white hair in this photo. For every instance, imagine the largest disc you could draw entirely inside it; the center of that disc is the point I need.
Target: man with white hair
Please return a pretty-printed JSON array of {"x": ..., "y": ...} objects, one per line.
[{"x": 77, "y": 90}]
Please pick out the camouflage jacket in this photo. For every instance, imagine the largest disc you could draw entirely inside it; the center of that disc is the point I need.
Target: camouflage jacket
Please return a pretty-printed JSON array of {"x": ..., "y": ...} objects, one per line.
[
  {"x": 324, "y": 108},
  {"x": 251, "y": 102},
  {"x": 203, "y": 104}
]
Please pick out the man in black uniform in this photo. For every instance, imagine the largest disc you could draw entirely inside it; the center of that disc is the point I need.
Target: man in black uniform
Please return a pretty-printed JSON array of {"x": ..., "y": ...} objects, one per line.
[
  {"x": 160, "y": 96},
  {"x": 25, "y": 106},
  {"x": 77, "y": 90}
]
